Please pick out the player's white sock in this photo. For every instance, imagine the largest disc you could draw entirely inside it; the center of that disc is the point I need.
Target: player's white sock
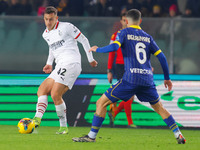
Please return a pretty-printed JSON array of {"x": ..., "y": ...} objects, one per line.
[
  {"x": 92, "y": 134},
  {"x": 41, "y": 105},
  {"x": 176, "y": 133},
  {"x": 61, "y": 112}
]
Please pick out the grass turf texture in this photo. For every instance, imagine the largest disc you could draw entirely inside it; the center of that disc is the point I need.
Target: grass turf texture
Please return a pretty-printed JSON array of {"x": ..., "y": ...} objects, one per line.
[{"x": 108, "y": 138}]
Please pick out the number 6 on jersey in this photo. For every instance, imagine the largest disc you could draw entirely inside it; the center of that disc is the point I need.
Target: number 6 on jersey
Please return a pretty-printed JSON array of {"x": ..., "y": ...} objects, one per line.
[{"x": 140, "y": 48}]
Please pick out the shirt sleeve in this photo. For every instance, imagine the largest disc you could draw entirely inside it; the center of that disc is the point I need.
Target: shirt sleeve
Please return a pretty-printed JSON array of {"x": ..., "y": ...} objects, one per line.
[
  {"x": 86, "y": 45},
  {"x": 73, "y": 31},
  {"x": 163, "y": 61},
  {"x": 113, "y": 37},
  {"x": 111, "y": 58},
  {"x": 154, "y": 49},
  {"x": 50, "y": 58},
  {"x": 120, "y": 38},
  {"x": 111, "y": 55}
]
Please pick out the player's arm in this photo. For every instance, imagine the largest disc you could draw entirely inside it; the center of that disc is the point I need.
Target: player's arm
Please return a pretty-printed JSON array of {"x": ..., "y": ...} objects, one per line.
[
  {"x": 48, "y": 67},
  {"x": 86, "y": 45},
  {"x": 163, "y": 61},
  {"x": 155, "y": 50},
  {"x": 109, "y": 48},
  {"x": 112, "y": 47},
  {"x": 76, "y": 34}
]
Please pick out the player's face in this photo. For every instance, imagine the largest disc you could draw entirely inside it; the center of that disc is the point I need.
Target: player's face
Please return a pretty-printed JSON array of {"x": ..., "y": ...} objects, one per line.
[
  {"x": 123, "y": 22},
  {"x": 50, "y": 20}
]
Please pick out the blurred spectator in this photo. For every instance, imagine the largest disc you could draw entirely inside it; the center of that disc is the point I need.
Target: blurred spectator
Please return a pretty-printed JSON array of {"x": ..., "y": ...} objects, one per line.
[
  {"x": 148, "y": 4},
  {"x": 187, "y": 13},
  {"x": 194, "y": 7},
  {"x": 123, "y": 10},
  {"x": 63, "y": 8},
  {"x": 41, "y": 8},
  {"x": 15, "y": 8},
  {"x": 181, "y": 6},
  {"x": 103, "y": 9},
  {"x": 76, "y": 7},
  {"x": 173, "y": 13},
  {"x": 149, "y": 8},
  {"x": 165, "y": 4},
  {"x": 89, "y": 6},
  {"x": 53, "y": 3},
  {"x": 146, "y": 7},
  {"x": 173, "y": 10},
  {"x": 156, "y": 11},
  {"x": 117, "y": 5},
  {"x": 132, "y": 4},
  {"x": 26, "y": 7},
  {"x": 3, "y": 6}
]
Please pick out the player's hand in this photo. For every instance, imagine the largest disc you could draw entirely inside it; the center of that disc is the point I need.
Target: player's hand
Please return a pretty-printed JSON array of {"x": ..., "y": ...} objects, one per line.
[
  {"x": 110, "y": 77},
  {"x": 94, "y": 63},
  {"x": 168, "y": 84},
  {"x": 93, "y": 48},
  {"x": 47, "y": 68}
]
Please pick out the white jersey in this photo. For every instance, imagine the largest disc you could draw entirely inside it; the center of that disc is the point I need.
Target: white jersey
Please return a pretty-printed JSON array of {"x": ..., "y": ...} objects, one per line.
[{"x": 62, "y": 41}]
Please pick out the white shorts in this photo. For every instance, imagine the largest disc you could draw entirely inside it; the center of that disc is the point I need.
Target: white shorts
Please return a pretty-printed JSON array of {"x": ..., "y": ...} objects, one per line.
[{"x": 66, "y": 74}]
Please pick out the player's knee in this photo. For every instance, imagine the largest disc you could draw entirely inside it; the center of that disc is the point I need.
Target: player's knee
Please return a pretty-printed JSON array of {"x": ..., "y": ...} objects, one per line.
[
  {"x": 55, "y": 96},
  {"x": 40, "y": 93},
  {"x": 43, "y": 91},
  {"x": 99, "y": 104}
]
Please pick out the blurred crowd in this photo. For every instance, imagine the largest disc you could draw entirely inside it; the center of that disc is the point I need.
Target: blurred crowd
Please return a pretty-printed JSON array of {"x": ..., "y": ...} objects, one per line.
[{"x": 102, "y": 8}]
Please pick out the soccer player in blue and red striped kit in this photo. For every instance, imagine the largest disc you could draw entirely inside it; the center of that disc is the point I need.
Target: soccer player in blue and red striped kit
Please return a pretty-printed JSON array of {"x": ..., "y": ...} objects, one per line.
[{"x": 137, "y": 46}]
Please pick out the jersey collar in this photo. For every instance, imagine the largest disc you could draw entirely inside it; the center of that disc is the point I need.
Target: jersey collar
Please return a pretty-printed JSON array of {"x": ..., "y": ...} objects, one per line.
[
  {"x": 135, "y": 26},
  {"x": 55, "y": 27}
]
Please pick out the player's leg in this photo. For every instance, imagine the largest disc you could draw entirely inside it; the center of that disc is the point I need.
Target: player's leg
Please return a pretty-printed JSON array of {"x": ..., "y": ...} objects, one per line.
[
  {"x": 169, "y": 120},
  {"x": 56, "y": 93},
  {"x": 150, "y": 94},
  {"x": 43, "y": 92},
  {"x": 97, "y": 121},
  {"x": 118, "y": 91},
  {"x": 113, "y": 108},
  {"x": 120, "y": 107},
  {"x": 113, "y": 112},
  {"x": 128, "y": 111},
  {"x": 66, "y": 75}
]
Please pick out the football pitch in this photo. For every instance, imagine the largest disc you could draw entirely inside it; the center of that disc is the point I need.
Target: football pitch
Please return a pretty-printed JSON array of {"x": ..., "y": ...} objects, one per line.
[{"x": 44, "y": 138}]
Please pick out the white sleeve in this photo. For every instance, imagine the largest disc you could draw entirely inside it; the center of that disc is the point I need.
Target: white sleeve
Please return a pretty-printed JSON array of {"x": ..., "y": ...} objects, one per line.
[
  {"x": 73, "y": 31},
  {"x": 50, "y": 58},
  {"x": 86, "y": 45}
]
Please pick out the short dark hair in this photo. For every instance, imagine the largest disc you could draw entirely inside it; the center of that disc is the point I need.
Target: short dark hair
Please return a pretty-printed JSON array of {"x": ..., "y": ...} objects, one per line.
[
  {"x": 50, "y": 9},
  {"x": 134, "y": 14},
  {"x": 122, "y": 15}
]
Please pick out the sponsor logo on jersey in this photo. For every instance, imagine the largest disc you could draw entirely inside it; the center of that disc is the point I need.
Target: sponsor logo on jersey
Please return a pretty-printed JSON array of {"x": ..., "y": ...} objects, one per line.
[
  {"x": 140, "y": 71},
  {"x": 56, "y": 45}
]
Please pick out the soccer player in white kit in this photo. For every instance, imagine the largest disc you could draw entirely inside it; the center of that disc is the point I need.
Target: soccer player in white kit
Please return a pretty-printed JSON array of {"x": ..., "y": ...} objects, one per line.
[{"x": 62, "y": 39}]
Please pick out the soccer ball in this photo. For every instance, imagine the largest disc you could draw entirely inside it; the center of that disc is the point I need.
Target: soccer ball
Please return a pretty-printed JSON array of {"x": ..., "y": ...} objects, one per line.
[{"x": 26, "y": 125}]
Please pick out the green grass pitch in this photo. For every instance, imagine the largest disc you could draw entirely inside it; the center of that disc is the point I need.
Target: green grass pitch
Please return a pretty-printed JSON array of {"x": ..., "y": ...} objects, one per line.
[{"x": 45, "y": 138}]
